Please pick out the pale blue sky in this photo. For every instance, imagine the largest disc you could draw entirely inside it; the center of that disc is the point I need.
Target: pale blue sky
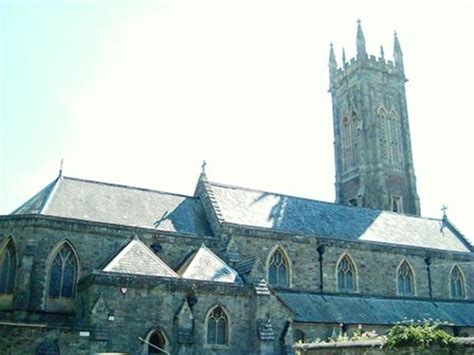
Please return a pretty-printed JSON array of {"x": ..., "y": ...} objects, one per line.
[{"x": 140, "y": 92}]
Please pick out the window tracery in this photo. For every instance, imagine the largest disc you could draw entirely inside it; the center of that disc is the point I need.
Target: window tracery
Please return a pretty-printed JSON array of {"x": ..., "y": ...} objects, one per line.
[
  {"x": 63, "y": 273},
  {"x": 456, "y": 281},
  {"x": 217, "y": 327},
  {"x": 7, "y": 269},
  {"x": 346, "y": 275},
  {"x": 389, "y": 136},
  {"x": 350, "y": 154},
  {"x": 406, "y": 284},
  {"x": 278, "y": 269}
]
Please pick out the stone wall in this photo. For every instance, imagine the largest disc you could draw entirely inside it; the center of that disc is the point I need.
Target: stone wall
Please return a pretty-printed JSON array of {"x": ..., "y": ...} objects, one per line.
[
  {"x": 117, "y": 318},
  {"x": 376, "y": 265},
  {"x": 22, "y": 339},
  {"x": 134, "y": 306},
  {"x": 464, "y": 346}
]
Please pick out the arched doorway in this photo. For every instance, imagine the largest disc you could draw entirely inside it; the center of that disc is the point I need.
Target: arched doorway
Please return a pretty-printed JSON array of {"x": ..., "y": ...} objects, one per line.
[{"x": 156, "y": 343}]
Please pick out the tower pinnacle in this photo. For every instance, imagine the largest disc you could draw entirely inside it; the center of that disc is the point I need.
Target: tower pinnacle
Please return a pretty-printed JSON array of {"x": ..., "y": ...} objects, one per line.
[
  {"x": 361, "y": 52},
  {"x": 332, "y": 61},
  {"x": 397, "y": 53}
]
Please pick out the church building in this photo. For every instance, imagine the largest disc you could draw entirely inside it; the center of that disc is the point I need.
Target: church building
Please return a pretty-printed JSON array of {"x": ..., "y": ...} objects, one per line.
[{"x": 89, "y": 267}]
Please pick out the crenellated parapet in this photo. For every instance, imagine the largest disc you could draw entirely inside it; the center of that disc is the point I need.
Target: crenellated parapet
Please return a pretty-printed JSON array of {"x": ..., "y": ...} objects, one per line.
[{"x": 365, "y": 61}]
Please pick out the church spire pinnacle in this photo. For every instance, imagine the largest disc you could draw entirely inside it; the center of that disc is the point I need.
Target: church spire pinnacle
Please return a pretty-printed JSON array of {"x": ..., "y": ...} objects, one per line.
[
  {"x": 397, "y": 52},
  {"x": 361, "y": 52},
  {"x": 332, "y": 61}
]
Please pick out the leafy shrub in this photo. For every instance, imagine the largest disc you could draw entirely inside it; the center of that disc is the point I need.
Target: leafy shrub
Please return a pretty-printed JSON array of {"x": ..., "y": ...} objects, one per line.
[{"x": 419, "y": 334}]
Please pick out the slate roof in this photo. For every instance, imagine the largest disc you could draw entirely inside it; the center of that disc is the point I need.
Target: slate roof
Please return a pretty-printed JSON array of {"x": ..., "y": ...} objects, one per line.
[
  {"x": 136, "y": 207},
  {"x": 253, "y": 208},
  {"x": 136, "y": 258},
  {"x": 117, "y": 204},
  {"x": 315, "y": 308},
  {"x": 207, "y": 266}
]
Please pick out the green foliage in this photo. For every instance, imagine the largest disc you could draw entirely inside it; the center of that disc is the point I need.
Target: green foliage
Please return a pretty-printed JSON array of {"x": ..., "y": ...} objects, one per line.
[{"x": 419, "y": 334}]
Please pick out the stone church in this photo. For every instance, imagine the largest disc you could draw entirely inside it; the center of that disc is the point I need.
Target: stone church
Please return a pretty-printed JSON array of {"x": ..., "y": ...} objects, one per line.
[{"x": 89, "y": 267}]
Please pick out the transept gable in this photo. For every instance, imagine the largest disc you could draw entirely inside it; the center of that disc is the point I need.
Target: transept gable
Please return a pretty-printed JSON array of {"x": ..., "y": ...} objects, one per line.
[
  {"x": 207, "y": 266},
  {"x": 137, "y": 258}
]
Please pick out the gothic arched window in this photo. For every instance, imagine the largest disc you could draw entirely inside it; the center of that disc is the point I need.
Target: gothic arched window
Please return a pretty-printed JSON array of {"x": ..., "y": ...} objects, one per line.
[
  {"x": 63, "y": 273},
  {"x": 217, "y": 327},
  {"x": 278, "y": 269},
  {"x": 47, "y": 347},
  {"x": 456, "y": 281},
  {"x": 406, "y": 281},
  {"x": 349, "y": 141},
  {"x": 7, "y": 269},
  {"x": 346, "y": 275}
]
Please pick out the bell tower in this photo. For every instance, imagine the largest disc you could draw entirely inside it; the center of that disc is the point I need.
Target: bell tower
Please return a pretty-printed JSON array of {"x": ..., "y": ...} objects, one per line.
[{"x": 372, "y": 146}]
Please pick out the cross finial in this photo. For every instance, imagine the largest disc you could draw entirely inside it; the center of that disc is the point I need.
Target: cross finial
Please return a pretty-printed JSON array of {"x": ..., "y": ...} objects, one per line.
[
  {"x": 444, "y": 209},
  {"x": 203, "y": 166},
  {"x": 61, "y": 167}
]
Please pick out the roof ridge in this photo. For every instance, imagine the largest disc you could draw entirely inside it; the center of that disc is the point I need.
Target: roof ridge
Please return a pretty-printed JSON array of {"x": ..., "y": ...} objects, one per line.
[
  {"x": 212, "y": 183},
  {"x": 51, "y": 193},
  {"x": 461, "y": 235},
  {"x": 47, "y": 190},
  {"x": 128, "y": 187}
]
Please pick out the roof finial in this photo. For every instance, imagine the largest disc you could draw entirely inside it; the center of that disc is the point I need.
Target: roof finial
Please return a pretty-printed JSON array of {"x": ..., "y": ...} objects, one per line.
[
  {"x": 203, "y": 167},
  {"x": 61, "y": 167},
  {"x": 444, "y": 209}
]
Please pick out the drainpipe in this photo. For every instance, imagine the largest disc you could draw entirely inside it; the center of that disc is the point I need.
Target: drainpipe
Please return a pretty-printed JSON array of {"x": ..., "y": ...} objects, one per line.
[
  {"x": 320, "y": 250},
  {"x": 428, "y": 269}
]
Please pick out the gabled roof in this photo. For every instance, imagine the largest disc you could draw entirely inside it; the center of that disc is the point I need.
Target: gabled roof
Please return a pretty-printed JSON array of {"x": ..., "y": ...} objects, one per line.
[
  {"x": 136, "y": 258},
  {"x": 117, "y": 204},
  {"x": 253, "y": 208},
  {"x": 315, "y": 308},
  {"x": 219, "y": 205},
  {"x": 207, "y": 266}
]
